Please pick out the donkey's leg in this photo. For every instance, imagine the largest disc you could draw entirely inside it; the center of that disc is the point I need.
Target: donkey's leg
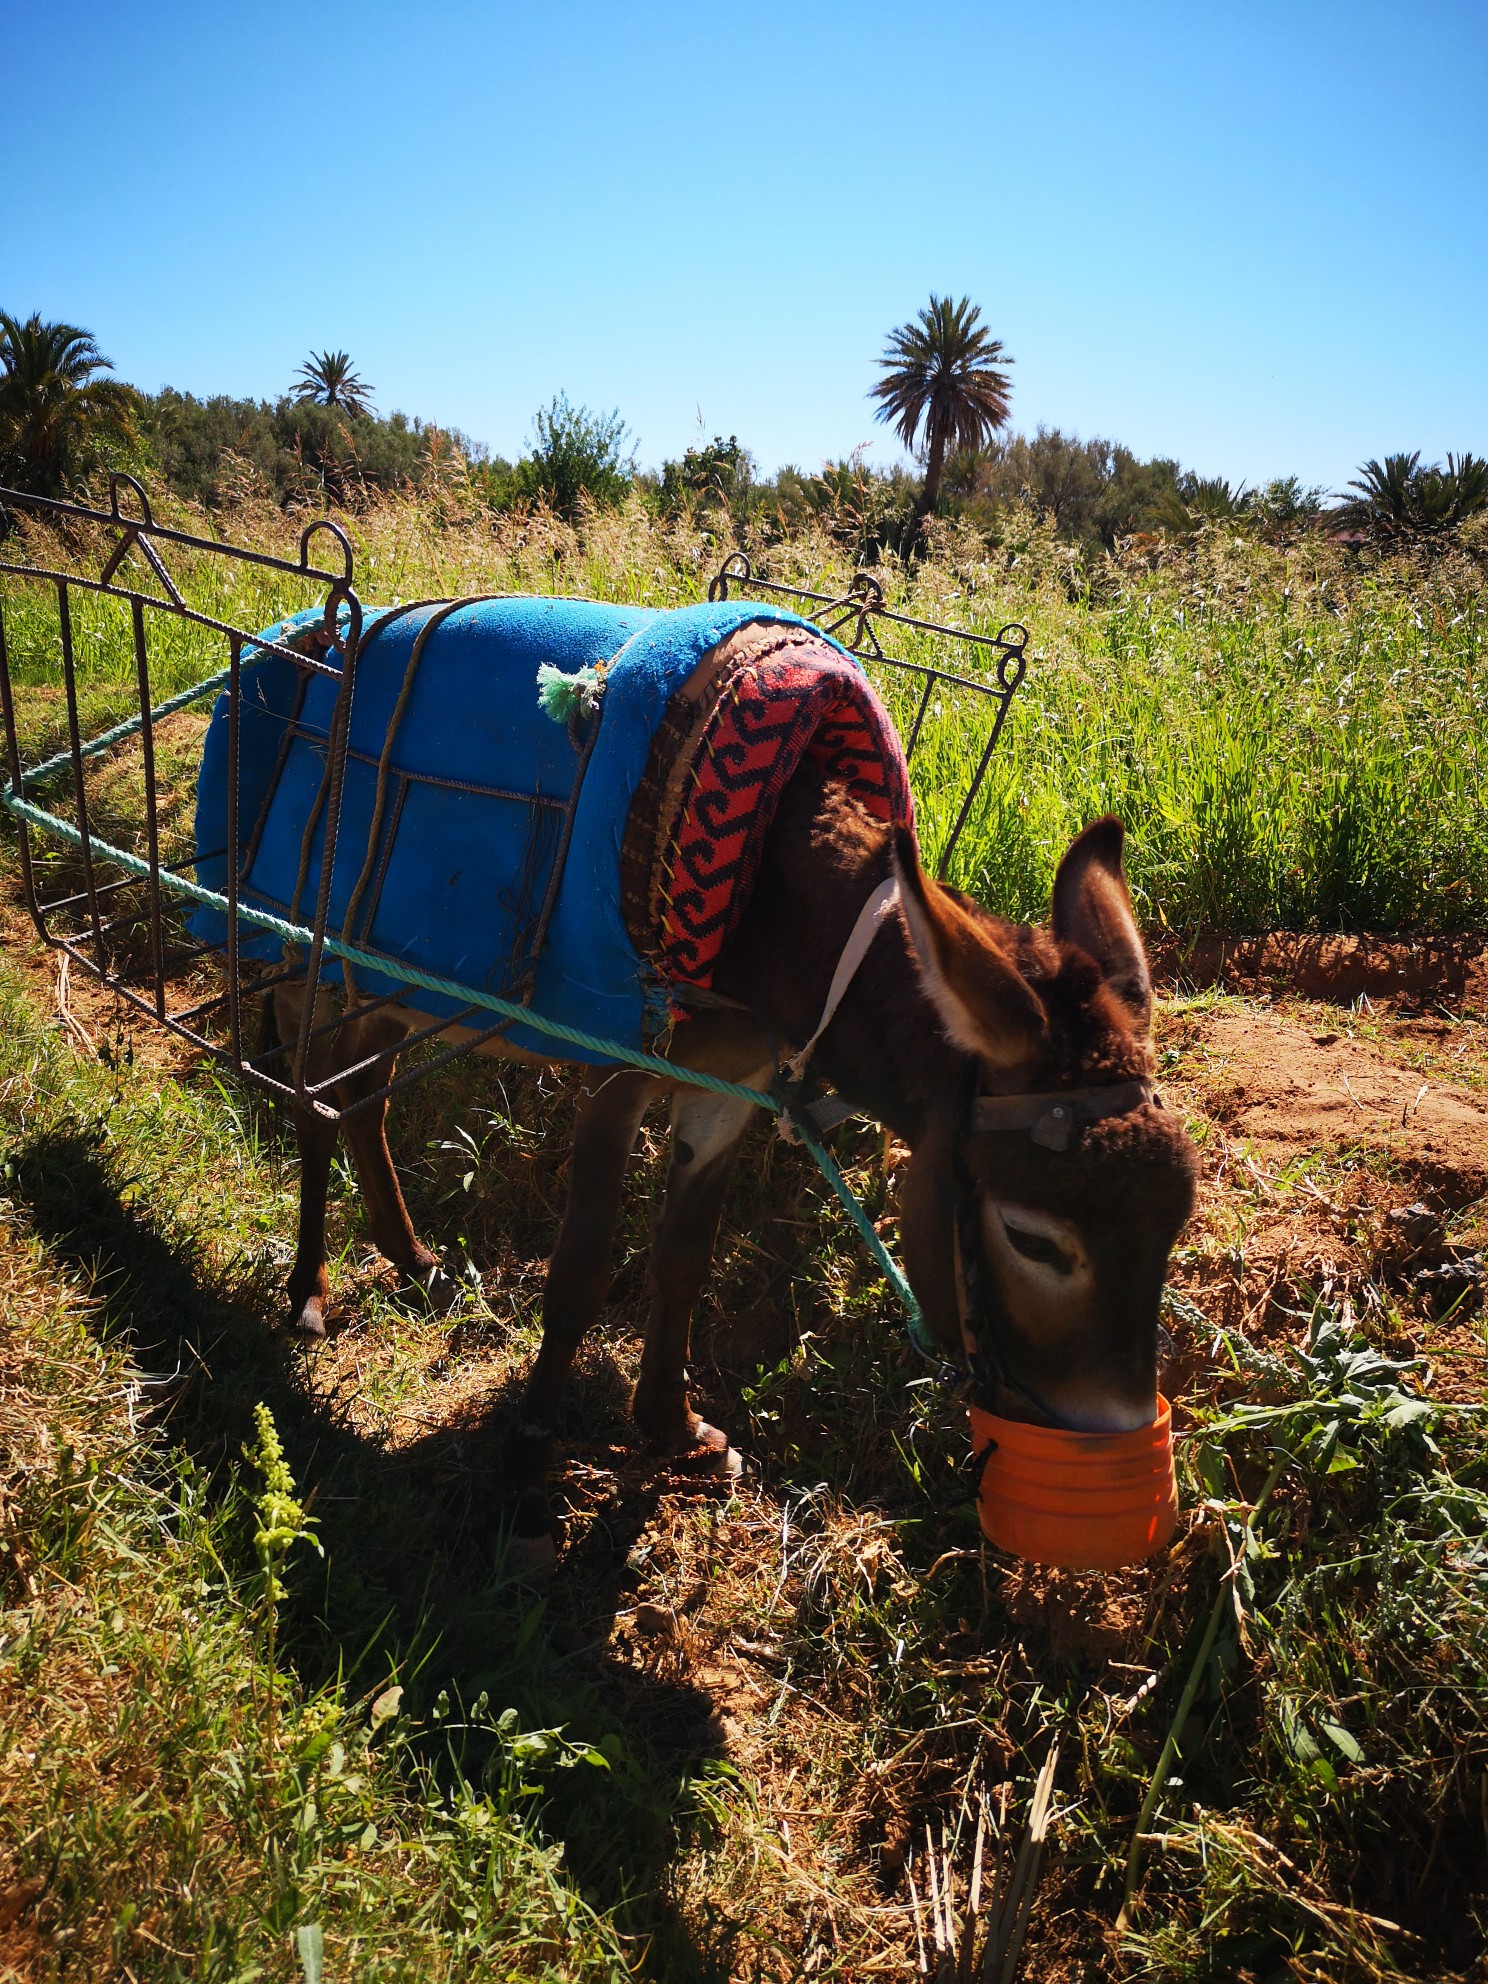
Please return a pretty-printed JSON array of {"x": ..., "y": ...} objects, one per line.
[
  {"x": 353, "y": 1041},
  {"x": 366, "y": 1137},
  {"x": 609, "y": 1115},
  {"x": 309, "y": 1284},
  {"x": 706, "y": 1133}
]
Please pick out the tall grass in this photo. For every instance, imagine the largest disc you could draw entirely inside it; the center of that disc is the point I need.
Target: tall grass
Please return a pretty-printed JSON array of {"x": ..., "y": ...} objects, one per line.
[
  {"x": 176, "y": 1802},
  {"x": 734, "y": 1720},
  {"x": 1294, "y": 742}
]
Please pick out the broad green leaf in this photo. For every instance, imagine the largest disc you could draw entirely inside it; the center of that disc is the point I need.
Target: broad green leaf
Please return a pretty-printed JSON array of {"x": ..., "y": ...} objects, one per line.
[
  {"x": 1342, "y": 1741},
  {"x": 386, "y": 1706}
]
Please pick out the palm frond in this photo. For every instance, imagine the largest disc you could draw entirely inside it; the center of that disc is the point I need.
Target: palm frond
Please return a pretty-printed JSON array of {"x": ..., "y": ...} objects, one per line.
[{"x": 55, "y": 414}]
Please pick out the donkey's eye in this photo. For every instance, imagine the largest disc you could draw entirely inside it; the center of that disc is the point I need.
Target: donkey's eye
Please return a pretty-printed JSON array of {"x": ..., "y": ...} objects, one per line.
[{"x": 1037, "y": 1247}]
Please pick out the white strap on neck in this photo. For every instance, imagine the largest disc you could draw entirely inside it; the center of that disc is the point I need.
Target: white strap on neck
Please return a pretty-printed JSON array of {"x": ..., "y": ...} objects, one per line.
[{"x": 884, "y": 898}]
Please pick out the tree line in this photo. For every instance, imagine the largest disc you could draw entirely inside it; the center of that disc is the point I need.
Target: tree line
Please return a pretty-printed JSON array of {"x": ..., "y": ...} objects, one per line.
[{"x": 945, "y": 389}]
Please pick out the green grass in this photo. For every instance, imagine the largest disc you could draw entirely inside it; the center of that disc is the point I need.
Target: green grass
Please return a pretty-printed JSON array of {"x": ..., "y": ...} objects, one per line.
[
  {"x": 1294, "y": 742},
  {"x": 179, "y": 1805},
  {"x": 192, "y": 1772},
  {"x": 552, "y": 1794}
]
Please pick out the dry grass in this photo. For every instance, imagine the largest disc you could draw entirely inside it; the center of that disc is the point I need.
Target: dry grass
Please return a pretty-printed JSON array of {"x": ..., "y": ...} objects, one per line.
[{"x": 786, "y": 1688}]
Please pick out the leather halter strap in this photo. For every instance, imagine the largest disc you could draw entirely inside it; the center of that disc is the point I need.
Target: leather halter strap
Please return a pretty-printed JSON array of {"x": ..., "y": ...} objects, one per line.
[
  {"x": 865, "y": 928},
  {"x": 1052, "y": 1117}
]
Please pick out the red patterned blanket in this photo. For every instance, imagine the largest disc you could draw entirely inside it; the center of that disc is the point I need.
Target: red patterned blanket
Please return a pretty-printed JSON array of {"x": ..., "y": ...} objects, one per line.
[{"x": 767, "y": 700}]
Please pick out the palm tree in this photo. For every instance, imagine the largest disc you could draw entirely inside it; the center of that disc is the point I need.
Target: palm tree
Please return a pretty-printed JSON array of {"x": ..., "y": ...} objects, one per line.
[
  {"x": 1397, "y": 499},
  {"x": 1458, "y": 491},
  {"x": 326, "y": 378},
  {"x": 1195, "y": 500},
  {"x": 54, "y": 410},
  {"x": 943, "y": 383},
  {"x": 1384, "y": 502}
]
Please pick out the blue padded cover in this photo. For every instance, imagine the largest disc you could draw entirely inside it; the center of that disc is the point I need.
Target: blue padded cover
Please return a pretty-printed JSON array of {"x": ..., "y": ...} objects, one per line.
[{"x": 459, "y": 875}]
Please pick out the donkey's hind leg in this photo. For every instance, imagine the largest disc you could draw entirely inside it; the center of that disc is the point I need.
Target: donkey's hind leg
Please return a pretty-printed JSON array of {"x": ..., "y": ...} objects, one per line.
[
  {"x": 366, "y": 1137},
  {"x": 706, "y": 1133},
  {"x": 309, "y": 1284},
  {"x": 609, "y": 1116}
]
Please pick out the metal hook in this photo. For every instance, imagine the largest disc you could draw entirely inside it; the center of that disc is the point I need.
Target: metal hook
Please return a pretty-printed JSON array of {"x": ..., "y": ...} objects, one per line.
[
  {"x": 735, "y": 566},
  {"x": 130, "y": 528},
  {"x": 146, "y": 517},
  {"x": 336, "y": 641},
  {"x": 335, "y": 530},
  {"x": 1012, "y": 663}
]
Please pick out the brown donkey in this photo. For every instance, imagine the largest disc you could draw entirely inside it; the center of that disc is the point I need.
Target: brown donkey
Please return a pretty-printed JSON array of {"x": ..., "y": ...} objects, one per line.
[{"x": 1046, "y": 1184}]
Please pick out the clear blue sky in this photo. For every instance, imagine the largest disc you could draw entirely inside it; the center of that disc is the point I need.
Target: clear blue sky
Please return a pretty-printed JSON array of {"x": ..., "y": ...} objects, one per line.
[{"x": 1253, "y": 235}]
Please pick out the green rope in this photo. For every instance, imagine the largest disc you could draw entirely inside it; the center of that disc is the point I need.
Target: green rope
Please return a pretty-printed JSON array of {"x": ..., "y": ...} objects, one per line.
[
  {"x": 405, "y": 973},
  {"x": 919, "y": 1334},
  {"x": 469, "y": 995},
  {"x": 107, "y": 738}
]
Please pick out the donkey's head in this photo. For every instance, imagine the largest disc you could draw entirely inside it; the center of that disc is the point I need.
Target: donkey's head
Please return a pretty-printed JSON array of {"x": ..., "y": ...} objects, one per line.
[{"x": 1044, "y": 1197}]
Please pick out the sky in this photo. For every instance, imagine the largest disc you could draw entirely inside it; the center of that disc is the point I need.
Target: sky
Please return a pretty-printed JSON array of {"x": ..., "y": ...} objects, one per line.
[{"x": 1250, "y": 234}]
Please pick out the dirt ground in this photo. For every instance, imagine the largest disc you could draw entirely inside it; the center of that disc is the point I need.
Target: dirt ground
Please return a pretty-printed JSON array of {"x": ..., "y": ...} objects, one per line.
[{"x": 1345, "y": 1140}]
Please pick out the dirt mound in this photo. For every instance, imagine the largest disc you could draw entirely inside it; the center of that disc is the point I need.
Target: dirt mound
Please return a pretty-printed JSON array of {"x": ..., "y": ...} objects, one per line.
[
  {"x": 1419, "y": 969},
  {"x": 1286, "y": 1090}
]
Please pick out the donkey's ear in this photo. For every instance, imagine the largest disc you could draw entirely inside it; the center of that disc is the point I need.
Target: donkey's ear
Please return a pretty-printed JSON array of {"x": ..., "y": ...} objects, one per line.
[
  {"x": 1092, "y": 908},
  {"x": 983, "y": 1003}
]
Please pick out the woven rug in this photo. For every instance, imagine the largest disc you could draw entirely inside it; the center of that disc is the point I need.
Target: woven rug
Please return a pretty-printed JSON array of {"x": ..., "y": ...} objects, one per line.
[{"x": 765, "y": 702}]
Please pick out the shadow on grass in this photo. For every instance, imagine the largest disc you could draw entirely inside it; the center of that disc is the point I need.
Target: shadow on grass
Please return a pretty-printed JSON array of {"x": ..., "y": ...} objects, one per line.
[{"x": 408, "y": 1583}]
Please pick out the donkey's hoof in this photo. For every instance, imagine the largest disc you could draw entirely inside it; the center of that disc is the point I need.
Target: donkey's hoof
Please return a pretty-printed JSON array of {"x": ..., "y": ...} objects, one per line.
[
  {"x": 532, "y": 1559},
  {"x": 308, "y": 1320},
  {"x": 708, "y": 1453},
  {"x": 440, "y": 1290},
  {"x": 526, "y": 1536}
]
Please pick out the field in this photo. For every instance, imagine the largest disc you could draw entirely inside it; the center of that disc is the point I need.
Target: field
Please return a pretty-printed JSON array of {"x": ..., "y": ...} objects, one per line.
[{"x": 249, "y": 1729}]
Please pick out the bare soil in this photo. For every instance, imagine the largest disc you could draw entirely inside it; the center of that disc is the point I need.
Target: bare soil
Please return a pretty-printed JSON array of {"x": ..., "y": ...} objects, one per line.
[{"x": 1325, "y": 966}]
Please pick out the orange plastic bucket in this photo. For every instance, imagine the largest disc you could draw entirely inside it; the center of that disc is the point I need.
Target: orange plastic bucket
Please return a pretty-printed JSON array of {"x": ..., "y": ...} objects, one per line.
[{"x": 1084, "y": 1501}]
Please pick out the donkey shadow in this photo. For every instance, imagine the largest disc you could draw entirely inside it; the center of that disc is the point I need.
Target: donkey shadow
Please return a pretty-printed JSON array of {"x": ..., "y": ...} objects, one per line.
[{"x": 409, "y": 1582}]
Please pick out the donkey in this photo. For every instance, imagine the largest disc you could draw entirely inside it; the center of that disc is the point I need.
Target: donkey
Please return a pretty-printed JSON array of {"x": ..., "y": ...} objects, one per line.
[{"x": 1046, "y": 1184}]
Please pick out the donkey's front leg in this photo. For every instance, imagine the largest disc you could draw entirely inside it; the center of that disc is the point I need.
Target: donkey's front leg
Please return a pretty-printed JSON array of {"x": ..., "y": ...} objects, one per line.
[
  {"x": 609, "y": 1116},
  {"x": 309, "y": 1284},
  {"x": 354, "y": 1040},
  {"x": 706, "y": 1132}
]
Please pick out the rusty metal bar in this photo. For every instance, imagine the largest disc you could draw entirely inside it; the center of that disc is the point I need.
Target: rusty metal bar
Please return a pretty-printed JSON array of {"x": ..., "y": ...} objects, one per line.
[
  {"x": 163, "y": 606},
  {"x": 429, "y": 1032},
  {"x": 69, "y": 679},
  {"x": 1010, "y": 672},
  {"x": 152, "y": 824},
  {"x": 336, "y": 777},
  {"x": 234, "y": 698},
  {"x": 919, "y": 718},
  {"x": 18, "y": 784},
  {"x": 146, "y": 524},
  {"x": 91, "y": 939},
  {"x": 426, "y": 1068}
]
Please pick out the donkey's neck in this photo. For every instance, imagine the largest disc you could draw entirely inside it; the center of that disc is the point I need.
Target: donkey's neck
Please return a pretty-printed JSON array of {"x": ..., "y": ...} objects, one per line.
[{"x": 885, "y": 1052}]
